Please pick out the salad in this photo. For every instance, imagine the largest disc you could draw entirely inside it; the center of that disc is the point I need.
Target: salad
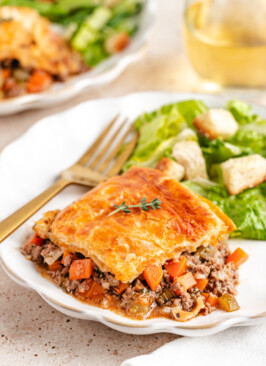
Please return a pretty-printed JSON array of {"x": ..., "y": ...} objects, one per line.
[
  {"x": 43, "y": 41},
  {"x": 89, "y": 25},
  {"x": 163, "y": 131}
]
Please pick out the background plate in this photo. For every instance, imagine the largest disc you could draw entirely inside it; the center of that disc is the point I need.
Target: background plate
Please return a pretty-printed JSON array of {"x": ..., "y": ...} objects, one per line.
[
  {"x": 102, "y": 74},
  {"x": 31, "y": 163}
]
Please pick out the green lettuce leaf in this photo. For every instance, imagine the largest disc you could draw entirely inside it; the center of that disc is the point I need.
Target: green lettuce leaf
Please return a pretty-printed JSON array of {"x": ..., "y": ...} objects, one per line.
[
  {"x": 250, "y": 142},
  {"x": 247, "y": 209},
  {"x": 217, "y": 151},
  {"x": 241, "y": 111},
  {"x": 258, "y": 126},
  {"x": 251, "y": 138},
  {"x": 150, "y": 160},
  {"x": 190, "y": 109},
  {"x": 161, "y": 129}
]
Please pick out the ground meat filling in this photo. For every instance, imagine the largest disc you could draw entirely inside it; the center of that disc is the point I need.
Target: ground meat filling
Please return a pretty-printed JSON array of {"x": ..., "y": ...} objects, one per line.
[{"x": 136, "y": 299}]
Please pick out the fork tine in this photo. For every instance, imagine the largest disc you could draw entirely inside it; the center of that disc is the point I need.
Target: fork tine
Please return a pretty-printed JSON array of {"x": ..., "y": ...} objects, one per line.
[
  {"x": 88, "y": 154},
  {"x": 115, "y": 151},
  {"x": 122, "y": 158},
  {"x": 102, "y": 152}
]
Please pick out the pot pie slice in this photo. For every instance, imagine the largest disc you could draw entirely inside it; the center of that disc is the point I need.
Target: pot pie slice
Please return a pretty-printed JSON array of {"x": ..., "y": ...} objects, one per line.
[{"x": 124, "y": 244}]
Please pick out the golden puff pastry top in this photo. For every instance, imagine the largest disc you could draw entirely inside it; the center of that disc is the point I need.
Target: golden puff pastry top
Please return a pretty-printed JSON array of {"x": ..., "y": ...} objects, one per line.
[{"x": 124, "y": 244}]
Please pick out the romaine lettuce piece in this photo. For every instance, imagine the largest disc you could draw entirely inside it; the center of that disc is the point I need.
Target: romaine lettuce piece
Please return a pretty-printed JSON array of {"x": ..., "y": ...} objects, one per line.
[
  {"x": 247, "y": 209},
  {"x": 190, "y": 109},
  {"x": 251, "y": 138},
  {"x": 89, "y": 32},
  {"x": 249, "y": 141},
  {"x": 258, "y": 126},
  {"x": 164, "y": 149},
  {"x": 128, "y": 25},
  {"x": 241, "y": 111},
  {"x": 128, "y": 7},
  {"x": 217, "y": 151},
  {"x": 161, "y": 129},
  {"x": 94, "y": 54},
  {"x": 99, "y": 18}
]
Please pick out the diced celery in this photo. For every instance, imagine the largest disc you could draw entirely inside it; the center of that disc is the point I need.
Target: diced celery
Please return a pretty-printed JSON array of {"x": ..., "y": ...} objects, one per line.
[
  {"x": 207, "y": 252},
  {"x": 228, "y": 303},
  {"x": 167, "y": 295},
  {"x": 138, "y": 309}
]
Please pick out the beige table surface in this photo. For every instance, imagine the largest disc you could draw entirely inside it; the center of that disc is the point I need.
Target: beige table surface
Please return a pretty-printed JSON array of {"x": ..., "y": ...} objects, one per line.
[{"x": 31, "y": 332}]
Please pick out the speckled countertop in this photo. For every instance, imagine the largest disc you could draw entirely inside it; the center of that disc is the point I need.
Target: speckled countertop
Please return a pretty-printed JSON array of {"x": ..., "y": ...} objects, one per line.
[{"x": 31, "y": 332}]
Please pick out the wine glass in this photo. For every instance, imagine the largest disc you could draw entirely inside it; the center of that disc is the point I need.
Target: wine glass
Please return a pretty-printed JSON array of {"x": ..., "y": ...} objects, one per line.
[{"x": 226, "y": 42}]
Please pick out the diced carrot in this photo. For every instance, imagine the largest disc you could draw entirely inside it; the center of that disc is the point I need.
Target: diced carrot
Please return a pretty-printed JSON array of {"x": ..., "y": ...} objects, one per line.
[
  {"x": 55, "y": 266},
  {"x": 39, "y": 80},
  {"x": 81, "y": 268},
  {"x": 238, "y": 257},
  {"x": 153, "y": 275},
  {"x": 186, "y": 281},
  {"x": 121, "y": 288},
  {"x": 201, "y": 283},
  {"x": 177, "y": 269},
  {"x": 9, "y": 84},
  {"x": 210, "y": 298},
  {"x": 67, "y": 254},
  {"x": 6, "y": 73},
  {"x": 36, "y": 240},
  {"x": 95, "y": 290}
]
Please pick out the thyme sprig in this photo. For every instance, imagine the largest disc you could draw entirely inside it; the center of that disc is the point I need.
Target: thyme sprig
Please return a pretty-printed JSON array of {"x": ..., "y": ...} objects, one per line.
[{"x": 143, "y": 205}]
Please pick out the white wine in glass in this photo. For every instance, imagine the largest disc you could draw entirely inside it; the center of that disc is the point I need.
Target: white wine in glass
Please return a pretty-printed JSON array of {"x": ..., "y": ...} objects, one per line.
[{"x": 226, "y": 41}]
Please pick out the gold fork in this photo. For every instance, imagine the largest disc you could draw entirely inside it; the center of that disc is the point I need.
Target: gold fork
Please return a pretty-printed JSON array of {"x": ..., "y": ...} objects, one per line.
[{"x": 89, "y": 170}]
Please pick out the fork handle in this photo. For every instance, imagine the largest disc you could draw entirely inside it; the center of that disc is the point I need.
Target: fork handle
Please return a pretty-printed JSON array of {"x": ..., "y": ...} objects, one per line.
[{"x": 12, "y": 222}]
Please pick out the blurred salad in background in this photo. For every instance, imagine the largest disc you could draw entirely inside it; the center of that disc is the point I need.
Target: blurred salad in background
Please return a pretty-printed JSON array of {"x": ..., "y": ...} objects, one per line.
[{"x": 94, "y": 28}]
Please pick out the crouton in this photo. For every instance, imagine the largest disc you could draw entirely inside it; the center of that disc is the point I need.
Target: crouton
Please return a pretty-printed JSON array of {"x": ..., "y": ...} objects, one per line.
[
  {"x": 171, "y": 168},
  {"x": 189, "y": 155},
  {"x": 216, "y": 123},
  {"x": 242, "y": 173}
]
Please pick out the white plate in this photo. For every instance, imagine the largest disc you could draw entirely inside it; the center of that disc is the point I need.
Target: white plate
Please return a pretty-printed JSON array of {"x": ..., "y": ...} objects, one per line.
[
  {"x": 30, "y": 164},
  {"x": 102, "y": 74}
]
